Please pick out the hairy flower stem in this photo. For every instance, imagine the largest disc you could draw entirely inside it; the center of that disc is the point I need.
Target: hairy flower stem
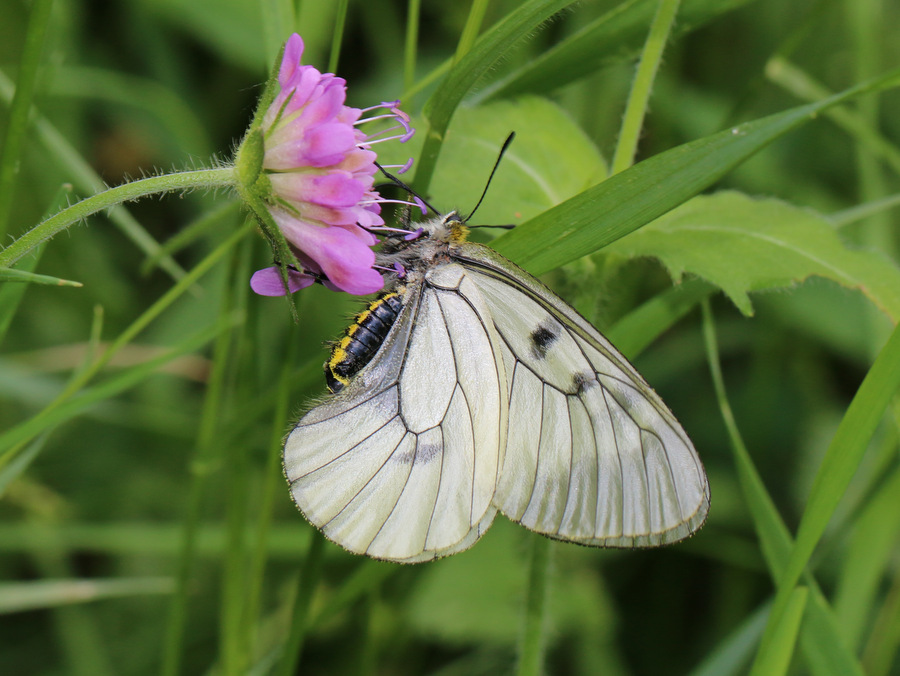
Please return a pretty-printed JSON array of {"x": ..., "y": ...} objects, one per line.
[{"x": 186, "y": 180}]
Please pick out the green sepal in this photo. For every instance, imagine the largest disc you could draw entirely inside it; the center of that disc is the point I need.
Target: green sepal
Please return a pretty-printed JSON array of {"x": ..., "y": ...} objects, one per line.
[{"x": 248, "y": 160}]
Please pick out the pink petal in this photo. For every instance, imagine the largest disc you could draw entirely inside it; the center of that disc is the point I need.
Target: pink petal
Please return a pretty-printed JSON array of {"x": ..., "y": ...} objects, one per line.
[
  {"x": 268, "y": 282},
  {"x": 342, "y": 253},
  {"x": 293, "y": 50},
  {"x": 334, "y": 189},
  {"x": 327, "y": 143}
]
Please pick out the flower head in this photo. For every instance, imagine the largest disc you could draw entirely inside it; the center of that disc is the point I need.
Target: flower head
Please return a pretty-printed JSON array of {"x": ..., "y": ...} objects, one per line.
[{"x": 320, "y": 172}]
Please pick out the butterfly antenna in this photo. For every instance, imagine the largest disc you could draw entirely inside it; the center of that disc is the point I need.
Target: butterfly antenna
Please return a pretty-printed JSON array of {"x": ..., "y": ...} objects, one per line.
[
  {"x": 396, "y": 181},
  {"x": 506, "y": 143}
]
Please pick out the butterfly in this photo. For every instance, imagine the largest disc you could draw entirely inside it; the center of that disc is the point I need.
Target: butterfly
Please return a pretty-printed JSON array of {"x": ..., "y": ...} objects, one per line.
[{"x": 469, "y": 388}]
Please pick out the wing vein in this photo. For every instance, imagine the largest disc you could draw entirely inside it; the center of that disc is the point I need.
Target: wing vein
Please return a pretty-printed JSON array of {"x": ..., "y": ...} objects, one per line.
[
  {"x": 368, "y": 481},
  {"x": 338, "y": 457},
  {"x": 399, "y": 495}
]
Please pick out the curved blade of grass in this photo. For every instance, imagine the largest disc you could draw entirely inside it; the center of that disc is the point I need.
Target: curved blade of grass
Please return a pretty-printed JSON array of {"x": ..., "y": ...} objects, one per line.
[
  {"x": 868, "y": 559},
  {"x": 17, "y": 125},
  {"x": 823, "y": 646},
  {"x": 16, "y": 597},
  {"x": 785, "y": 74},
  {"x": 15, "y": 469},
  {"x": 490, "y": 49},
  {"x": 87, "y": 181},
  {"x": 110, "y": 388},
  {"x": 11, "y": 440},
  {"x": 23, "y": 276},
  {"x": 11, "y": 294},
  {"x": 634, "y": 197},
  {"x": 838, "y": 466},
  {"x": 636, "y": 106},
  {"x": 778, "y": 659},
  {"x": 614, "y": 37},
  {"x": 183, "y": 130},
  {"x": 636, "y": 330},
  {"x": 309, "y": 580},
  {"x": 732, "y": 654}
]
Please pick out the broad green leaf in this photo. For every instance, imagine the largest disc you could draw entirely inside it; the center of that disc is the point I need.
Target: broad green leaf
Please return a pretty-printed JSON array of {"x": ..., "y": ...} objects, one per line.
[
  {"x": 616, "y": 36},
  {"x": 612, "y": 209},
  {"x": 742, "y": 244},
  {"x": 550, "y": 160}
]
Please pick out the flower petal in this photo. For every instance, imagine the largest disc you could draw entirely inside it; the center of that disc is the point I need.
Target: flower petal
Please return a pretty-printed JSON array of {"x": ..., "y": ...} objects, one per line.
[
  {"x": 290, "y": 61},
  {"x": 335, "y": 189},
  {"x": 341, "y": 252},
  {"x": 268, "y": 282}
]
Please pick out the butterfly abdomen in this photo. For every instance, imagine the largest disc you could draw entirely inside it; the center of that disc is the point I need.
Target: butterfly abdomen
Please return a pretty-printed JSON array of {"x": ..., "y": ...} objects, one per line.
[{"x": 361, "y": 341}]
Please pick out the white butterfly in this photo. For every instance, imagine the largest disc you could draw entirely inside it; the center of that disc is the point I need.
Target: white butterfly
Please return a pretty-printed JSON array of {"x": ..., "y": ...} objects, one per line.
[{"x": 471, "y": 388}]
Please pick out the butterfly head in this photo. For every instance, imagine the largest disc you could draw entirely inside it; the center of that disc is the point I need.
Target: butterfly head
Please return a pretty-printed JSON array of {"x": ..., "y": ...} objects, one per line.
[{"x": 449, "y": 228}]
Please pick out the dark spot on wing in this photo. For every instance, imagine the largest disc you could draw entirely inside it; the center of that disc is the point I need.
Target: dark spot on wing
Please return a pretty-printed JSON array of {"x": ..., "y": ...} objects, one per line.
[
  {"x": 421, "y": 453},
  {"x": 542, "y": 338},
  {"x": 583, "y": 381}
]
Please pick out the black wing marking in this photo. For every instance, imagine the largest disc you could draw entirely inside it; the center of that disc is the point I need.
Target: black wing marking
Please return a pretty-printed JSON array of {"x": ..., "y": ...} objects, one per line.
[{"x": 594, "y": 456}]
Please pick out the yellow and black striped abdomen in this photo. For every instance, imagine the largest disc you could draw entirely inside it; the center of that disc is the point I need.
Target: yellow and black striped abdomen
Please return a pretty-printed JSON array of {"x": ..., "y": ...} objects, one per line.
[{"x": 362, "y": 340}]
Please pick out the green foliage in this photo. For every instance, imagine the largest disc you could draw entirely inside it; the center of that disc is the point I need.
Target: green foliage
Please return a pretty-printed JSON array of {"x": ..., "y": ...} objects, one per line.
[{"x": 144, "y": 522}]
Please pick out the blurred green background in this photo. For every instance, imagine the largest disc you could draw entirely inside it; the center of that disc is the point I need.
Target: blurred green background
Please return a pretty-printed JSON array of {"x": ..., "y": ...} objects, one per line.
[{"x": 135, "y": 87}]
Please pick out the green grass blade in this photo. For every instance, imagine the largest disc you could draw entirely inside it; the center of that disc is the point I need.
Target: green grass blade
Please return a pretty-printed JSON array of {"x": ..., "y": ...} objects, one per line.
[
  {"x": 309, "y": 581},
  {"x": 822, "y": 636},
  {"x": 634, "y": 332},
  {"x": 489, "y": 50},
  {"x": 799, "y": 83},
  {"x": 11, "y": 294},
  {"x": 207, "y": 452},
  {"x": 639, "y": 97},
  {"x": 91, "y": 396},
  {"x": 87, "y": 181},
  {"x": 838, "y": 466},
  {"x": 16, "y": 597},
  {"x": 778, "y": 659},
  {"x": 613, "y": 37},
  {"x": 25, "y": 277},
  {"x": 15, "y": 469},
  {"x": 731, "y": 656},
  {"x": 534, "y": 619},
  {"x": 868, "y": 558},
  {"x": 17, "y": 125},
  {"x": 632, "y": 198}
]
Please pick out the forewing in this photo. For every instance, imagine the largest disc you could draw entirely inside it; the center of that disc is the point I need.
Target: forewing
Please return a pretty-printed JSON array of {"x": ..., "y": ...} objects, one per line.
[
  {"x": 594, "y": 456},
  {"x": 402, "y": 464}
]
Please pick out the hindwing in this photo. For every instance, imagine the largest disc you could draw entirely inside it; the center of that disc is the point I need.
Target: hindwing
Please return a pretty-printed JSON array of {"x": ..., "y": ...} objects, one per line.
[
  {"x": 593, "y": 454},
  {"x": 403, "y": 462}
]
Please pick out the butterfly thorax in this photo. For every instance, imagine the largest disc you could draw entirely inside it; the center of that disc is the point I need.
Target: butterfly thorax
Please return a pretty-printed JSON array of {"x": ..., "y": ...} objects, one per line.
[{"x": 414, "y": 256}]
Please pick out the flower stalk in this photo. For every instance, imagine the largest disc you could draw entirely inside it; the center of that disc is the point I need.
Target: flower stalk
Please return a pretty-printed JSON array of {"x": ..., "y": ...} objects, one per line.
[{"x": 180, "y": 181}]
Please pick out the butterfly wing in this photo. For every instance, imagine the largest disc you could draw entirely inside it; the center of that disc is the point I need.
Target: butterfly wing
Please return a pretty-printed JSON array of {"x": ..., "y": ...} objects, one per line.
[
  {"x": 594, "y": 456},
  {"x": 402, "y": 464}
]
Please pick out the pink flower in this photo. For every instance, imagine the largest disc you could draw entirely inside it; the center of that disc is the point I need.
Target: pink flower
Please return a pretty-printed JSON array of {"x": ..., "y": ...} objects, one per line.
[{"x": 322, "y": 172}]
